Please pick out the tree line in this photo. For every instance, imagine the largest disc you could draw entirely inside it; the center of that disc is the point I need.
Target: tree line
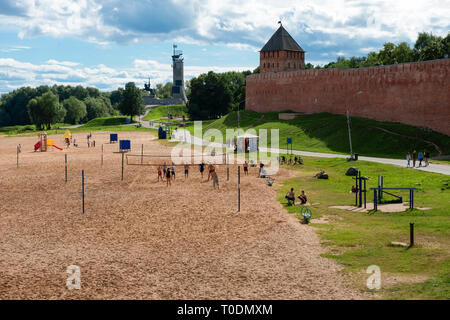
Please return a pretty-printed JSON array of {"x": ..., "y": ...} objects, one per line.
[
  {"x": 427, "y": 47},
  {"x": 44, "y": 105},
  {"x": 212, "y": 95}
]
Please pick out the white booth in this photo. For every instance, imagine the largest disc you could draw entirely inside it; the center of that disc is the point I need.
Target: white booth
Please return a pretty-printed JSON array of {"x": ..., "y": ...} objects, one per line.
[{"x": 247, "y": 143}]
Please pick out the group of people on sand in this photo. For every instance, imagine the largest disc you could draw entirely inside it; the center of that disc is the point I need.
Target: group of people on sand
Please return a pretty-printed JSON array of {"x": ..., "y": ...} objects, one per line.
[
  {"x": 302, "y": 197},
  {"x": 418, "y": 157},
  {"x": 168, "y": 173}
]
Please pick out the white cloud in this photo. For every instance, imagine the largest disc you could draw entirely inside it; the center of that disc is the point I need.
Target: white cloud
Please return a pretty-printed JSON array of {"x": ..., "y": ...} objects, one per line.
[
  {"x": 14, "y": 48},
  {"x": 229, "y": 21},
  {"x": 15, "y": 74}
]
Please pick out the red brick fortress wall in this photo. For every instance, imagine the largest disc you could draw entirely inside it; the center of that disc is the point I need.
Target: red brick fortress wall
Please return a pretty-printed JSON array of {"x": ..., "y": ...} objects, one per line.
[{"x": 412, "y": 93}]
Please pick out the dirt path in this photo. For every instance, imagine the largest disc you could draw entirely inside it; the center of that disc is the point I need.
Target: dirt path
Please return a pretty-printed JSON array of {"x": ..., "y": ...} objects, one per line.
[
  {"x": 435, "y": 146},
  {"x": 142, "y": 240}
]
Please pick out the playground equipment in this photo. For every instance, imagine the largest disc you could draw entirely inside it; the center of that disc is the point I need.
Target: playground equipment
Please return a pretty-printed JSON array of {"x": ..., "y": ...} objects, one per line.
[
  {"x": 44, "y": 142},
  {"x": 305, "y": 214},
  {"x": 377, "y": 195},
  {"x": 113, "y": 138},
  {"x": 360, "y": 188},
  {"x": 67, "y": 137}
]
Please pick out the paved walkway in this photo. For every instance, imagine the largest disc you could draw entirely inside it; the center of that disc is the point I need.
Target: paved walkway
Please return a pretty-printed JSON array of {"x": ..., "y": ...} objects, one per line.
[
  {"x": 436, "y": 168},
  {"x": 179, "y": 135}
]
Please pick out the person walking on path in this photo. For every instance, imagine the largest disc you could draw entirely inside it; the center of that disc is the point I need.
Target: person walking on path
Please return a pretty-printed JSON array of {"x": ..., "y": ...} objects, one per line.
[
  {"x": 408, "y": 160},
  {"x": 427, "y": 157},
  {"x": 420, "y": 158},
  {"x": 414, "y": 157}
]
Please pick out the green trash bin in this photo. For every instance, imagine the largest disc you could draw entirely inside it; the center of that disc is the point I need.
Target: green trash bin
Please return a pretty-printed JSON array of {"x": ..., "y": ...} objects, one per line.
[{"x": 355, "y": 156}]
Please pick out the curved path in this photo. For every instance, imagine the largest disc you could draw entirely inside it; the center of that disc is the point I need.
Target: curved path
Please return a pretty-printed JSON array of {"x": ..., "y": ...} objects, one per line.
[{"x": 436, "y": 168}]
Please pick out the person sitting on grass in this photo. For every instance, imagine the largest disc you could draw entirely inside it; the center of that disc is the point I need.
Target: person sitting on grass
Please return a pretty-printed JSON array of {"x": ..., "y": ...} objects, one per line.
[
  {"x": 290, "y": 197},
  {"x": 302, "y": 197},
  {"x": 261, "y": 168}
]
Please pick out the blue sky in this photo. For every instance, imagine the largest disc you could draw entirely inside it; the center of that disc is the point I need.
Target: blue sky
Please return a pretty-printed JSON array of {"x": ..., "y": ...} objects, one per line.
[{"x": 106, "y": 43}]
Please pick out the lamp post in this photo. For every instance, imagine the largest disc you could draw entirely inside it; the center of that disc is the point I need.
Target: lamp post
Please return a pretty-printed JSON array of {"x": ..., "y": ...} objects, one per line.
[{"x": 348, "y": 124}]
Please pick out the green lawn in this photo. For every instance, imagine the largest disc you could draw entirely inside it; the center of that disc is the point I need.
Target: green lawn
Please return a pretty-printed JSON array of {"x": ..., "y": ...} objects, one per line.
[
  {"x": 162, "y": 111},
  {"x": 358, "y": 240},
  {"x": 324, "y": 132}
]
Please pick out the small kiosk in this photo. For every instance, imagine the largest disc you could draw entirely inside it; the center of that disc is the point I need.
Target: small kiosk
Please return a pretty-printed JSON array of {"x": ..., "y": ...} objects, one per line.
[{"x": 247, "y": 143}]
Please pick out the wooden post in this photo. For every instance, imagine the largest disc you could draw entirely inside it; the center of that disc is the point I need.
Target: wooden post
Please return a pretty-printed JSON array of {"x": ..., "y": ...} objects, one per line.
[
  {"x": 82, "y": 187},
  {"x": 239, "y": 188},
  {"x": 142, "y": 154},
  {"x": 102, "y": 154},
  {"x": 65, "y": 158},
  {"x": 228, "y": 168}
]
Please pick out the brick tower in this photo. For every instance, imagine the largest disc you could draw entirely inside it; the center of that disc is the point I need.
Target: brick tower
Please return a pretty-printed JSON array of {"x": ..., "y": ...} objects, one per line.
[{"x": 281, "y": 53}]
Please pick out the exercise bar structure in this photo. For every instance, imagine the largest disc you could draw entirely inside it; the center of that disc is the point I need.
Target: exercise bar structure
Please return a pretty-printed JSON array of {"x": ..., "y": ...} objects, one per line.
[
  {"x": 360, "y": 182},
  {"x": 376, "y": 192}
]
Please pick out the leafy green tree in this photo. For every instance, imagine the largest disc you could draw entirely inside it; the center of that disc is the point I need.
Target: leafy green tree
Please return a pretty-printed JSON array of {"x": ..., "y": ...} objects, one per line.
[
  {"x": 75, "y": 110},
  {"x": 46, "y": 110},
  {"x": 429, "y": 47},
  {"x": 210, "y": 97},
  {"x": 403, "y": 53},
  {"x": 164, "y": 91},
  {"x": 386, "y": 55},
  {"x": 5, "y": 119},
  {"x": 131, "y": 103},
  {"x": 115, "y": 97},
  {"x": 80, "y": 93},
  {"x": 372, "y": 60},
  {"x": 96, "y": 108},
  {"x": 446, "y": 45}
]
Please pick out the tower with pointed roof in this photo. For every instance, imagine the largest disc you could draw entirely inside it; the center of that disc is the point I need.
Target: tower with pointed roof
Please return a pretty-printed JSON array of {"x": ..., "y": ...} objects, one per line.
[{"x": 281, "y": 53}]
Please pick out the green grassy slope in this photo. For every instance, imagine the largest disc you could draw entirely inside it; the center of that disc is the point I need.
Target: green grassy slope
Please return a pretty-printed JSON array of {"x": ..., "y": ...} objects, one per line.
[
  {"x": 106, "y": 121},
  {"x": 324, "y": 132},
  {"x": 357, "y": 239},
  {"x": 162, "y": 111}
]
